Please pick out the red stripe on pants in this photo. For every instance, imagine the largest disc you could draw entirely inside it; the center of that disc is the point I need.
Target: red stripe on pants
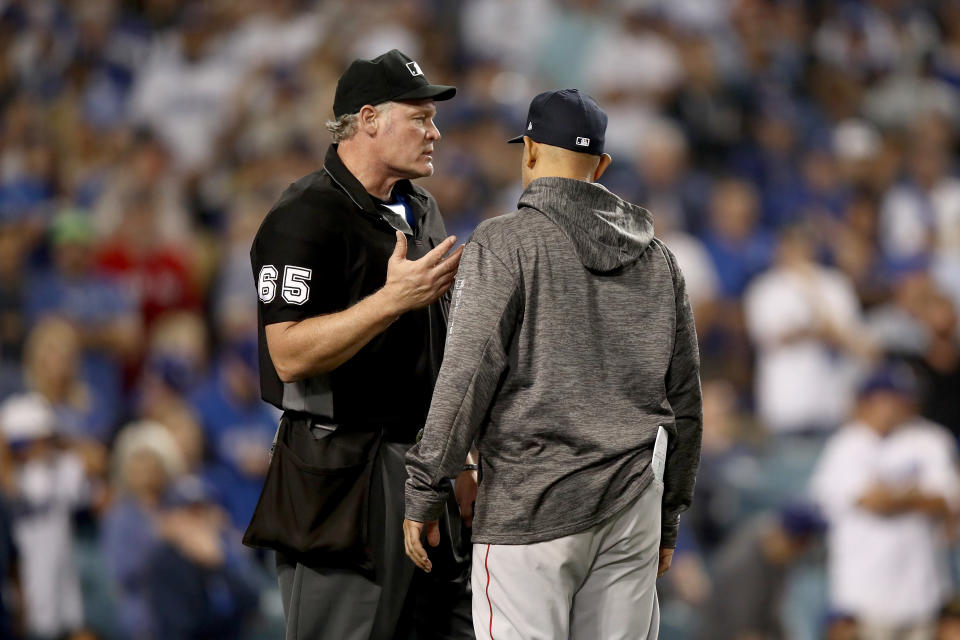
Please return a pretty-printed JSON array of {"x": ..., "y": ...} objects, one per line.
[{"x": 487, "y": 568}]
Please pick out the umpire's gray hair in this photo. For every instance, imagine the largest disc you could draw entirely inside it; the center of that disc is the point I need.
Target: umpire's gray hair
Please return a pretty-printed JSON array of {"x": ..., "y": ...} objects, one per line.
[{"x": 345, "y": 127}]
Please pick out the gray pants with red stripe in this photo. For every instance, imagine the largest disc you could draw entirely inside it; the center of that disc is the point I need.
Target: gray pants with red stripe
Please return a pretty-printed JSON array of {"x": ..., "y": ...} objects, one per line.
[{"x": 599, "y": 584}]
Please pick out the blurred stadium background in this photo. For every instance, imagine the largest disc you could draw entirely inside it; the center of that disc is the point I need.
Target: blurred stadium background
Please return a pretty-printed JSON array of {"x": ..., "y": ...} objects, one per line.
[{"x": 142, "y": 141}]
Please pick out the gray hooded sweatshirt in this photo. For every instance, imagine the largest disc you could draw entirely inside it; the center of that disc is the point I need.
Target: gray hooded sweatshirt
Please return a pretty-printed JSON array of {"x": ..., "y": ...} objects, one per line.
[{"x": 570, "y": 340}]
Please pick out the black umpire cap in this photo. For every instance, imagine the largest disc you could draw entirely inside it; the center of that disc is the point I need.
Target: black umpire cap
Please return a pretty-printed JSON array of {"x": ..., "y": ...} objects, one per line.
[
  {"x": 567, "y": 119},
  {"x": 391, "y": 76}
]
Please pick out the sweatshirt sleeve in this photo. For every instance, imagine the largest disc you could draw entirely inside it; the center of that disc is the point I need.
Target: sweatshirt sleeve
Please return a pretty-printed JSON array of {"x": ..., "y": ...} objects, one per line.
[
  {"x": 683, "y": 393},
  {"x": 484, "y": 313}
]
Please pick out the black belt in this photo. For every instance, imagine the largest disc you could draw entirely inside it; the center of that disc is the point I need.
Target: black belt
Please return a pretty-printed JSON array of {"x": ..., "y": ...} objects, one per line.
[{"x": 323, "y": 426}]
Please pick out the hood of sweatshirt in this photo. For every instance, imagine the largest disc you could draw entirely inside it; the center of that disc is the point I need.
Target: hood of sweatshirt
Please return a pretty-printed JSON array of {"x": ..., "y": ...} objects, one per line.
[{"x": 606, "y": 231}]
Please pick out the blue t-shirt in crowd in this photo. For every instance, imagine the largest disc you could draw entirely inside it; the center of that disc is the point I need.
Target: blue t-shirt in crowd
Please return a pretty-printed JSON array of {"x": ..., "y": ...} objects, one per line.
[
  {"x": 231, "y": 425},
  {"x": 738, "y": 262}
]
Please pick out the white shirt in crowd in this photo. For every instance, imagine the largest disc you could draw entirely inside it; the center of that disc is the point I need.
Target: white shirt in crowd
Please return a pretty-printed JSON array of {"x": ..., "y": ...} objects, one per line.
[
  {"x": 913, "y": 221},
  {"x": 49, "y": 491},
  {"x": 188, "y": 104},
  {"x": 886, "y": 569},
  {"x": 803, "y": 383}
]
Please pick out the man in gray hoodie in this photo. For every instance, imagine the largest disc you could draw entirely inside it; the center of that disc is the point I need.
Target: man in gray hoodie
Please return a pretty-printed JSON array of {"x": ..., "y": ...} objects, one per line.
[{"x": 571, "y": 363}]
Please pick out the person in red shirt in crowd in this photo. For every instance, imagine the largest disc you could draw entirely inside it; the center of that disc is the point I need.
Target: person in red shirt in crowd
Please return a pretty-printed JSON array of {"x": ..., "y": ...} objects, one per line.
[{"x": 160, "y": 273}]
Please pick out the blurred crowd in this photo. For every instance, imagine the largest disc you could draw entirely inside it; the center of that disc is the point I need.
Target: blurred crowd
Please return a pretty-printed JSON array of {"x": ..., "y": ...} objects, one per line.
[{"x": 799, "y": 157}]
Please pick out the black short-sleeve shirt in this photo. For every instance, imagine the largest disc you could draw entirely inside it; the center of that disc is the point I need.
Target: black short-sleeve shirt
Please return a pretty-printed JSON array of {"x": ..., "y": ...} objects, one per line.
[{"x": 322, "y": 248}]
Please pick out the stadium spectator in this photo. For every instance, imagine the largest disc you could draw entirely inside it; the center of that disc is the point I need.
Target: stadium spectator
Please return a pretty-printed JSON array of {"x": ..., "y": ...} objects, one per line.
[
  {"x": 184, "y": 89},
  {"x": 161, "y": 274},
  {"x": 176, "y": 362},
  {"x": 281, "y": 33},
  {"x": 180, "y": 419},
  {"x": 234, "y": 314},
  {"x": 84, "y": 416},
  {"x": 886, "y": 482},
  {"x": 668, "y": 183},
  {"x": 699, "y": 272},
  {"x": 708, "y": 105},
  {"x": 637, "y": 34},
  {"x": 770, "y": 158},
  {"x": 739, "y": 248},
  {"x": 144, "y": 167},
  {"x": 895, "y": 324},
  {"x": 757, "y": 559},
  {"x": 804, "y": 320},
  {"x": 145, "y": 463},
  {"x": 938, "y": 366},
  {"x": 102, "y": 313},
  {"x": 717, "y": 507},
  {"x": 29, "y": 185},
  {"x": 49, "y": 485},
  {"x": 238, "y": 427},
  {"x": 200, "y": 587},
  {"x": 504, "y": 29},
  {"x": 852, "y": 247},
  {"x": 919, "y": 214}
]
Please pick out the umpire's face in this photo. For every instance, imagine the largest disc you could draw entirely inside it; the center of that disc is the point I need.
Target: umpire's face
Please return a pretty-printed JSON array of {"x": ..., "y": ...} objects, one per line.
[{"x": 407, "y": 137}]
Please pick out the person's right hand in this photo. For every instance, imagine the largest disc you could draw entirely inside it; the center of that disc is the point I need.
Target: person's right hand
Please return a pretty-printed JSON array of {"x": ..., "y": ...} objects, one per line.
[
  {"x": 414, "y": 284},
  {"x": 194, "y": 535},
  {"x": 880, "y": 499},
  {"x": 663, "y": 564}
]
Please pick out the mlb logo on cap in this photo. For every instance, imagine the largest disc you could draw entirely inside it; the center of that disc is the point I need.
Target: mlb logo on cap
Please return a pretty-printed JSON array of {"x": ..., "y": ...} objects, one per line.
[
  {"x": 583, "y": 142},
  {"x": 414, "y": 69}
]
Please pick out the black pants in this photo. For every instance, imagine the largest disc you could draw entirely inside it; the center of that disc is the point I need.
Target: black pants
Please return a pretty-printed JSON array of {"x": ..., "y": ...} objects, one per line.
[{"x": 400, "y": 602}]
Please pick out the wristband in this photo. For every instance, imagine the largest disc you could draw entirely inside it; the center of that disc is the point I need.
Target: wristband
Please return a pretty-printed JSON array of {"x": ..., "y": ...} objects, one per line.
[{"x": 471, "y": 467}]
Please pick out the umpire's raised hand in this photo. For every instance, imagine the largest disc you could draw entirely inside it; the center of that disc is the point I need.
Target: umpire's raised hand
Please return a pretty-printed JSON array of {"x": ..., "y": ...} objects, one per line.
[{"x": 413, "y": 284}]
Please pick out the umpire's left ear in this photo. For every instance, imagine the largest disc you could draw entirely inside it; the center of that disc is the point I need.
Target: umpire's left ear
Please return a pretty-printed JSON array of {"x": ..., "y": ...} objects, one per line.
[
  {"x": 605, "y": 160},
  {"x": 367, "y": 118}
]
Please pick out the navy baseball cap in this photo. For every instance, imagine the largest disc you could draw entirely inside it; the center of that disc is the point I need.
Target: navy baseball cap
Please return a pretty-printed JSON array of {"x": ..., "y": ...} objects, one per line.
[
  {"x": 800, "y": 519},
  {"x": 391, "y": 76},
  {"x": 567, "y": 119},
  {"x": 889, "y": 378}
]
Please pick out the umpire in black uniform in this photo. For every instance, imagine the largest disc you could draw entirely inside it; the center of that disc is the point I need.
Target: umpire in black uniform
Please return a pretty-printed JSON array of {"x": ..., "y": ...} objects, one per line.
[{"x": 352, "y": 266}]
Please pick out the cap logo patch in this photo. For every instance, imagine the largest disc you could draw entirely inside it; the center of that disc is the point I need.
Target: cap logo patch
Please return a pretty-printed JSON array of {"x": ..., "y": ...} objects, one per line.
[
  {"x": 529, "y": 126},
  {"x": 414, "y": 69},
  {"x": 583, "y": 142}
]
